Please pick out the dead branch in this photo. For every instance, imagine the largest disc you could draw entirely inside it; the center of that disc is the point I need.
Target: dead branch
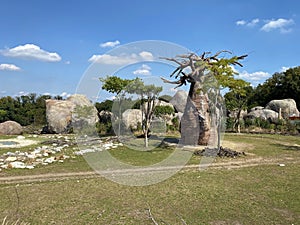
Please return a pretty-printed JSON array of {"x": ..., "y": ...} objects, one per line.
[
  {"x": 182, "y": 220},
  {"x": 189, "y": 61},
  {"x": 151, "y": 216}
]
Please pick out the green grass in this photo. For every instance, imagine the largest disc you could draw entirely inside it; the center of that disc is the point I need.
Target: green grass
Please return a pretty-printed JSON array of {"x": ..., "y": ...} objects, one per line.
[
  {"x": 256, "y": 195},
  {"x": 263, "y": 194}
]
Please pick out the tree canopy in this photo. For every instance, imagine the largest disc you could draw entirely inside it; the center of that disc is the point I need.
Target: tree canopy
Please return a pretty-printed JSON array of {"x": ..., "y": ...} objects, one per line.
[{"x": 279, "y": 86}]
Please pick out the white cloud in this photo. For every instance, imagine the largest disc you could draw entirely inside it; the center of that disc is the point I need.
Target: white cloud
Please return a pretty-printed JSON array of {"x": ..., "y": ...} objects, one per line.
[
  {"x": 9, "y": 67},
  {"x": 143, "y": 70},
  {"x": 122, "y": 59},
  {"x": 22, "y": 93},
  {"x": 279, "y": 24},
  {"x": 252, "y": 23},
  {"x": 110, "y": 44},
  {"x": 241, "y": 22},
  {"x": 65, "y": 95},
  {"x": 31, "y": 51},
  {"x": 256, "y": 76},
  {"x": 67, "y": 62},
  {"x": 146, "y": 56},
  {"x": 283, "y": 69}
]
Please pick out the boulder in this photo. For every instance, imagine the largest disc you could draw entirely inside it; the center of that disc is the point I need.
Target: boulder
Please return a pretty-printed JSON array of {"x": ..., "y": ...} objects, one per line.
[
  {"x": 63, "y": 115},
  {"x": 10, "y": 128},
  {"x": 59, "y": 115},
  {"x": 179, "y": 100},
  {"x": 158, "y": 102},
  {"x": 84, "y": 113},
  {"x": 288, "y": 107},
  {"x": 131, "y": 117},
  {"x": 264, "y": 114},
  {"x": 105, "y": 116}
]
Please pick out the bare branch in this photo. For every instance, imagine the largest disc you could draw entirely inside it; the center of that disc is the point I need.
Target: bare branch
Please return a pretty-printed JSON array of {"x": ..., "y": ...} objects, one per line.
[
  {"x": 219, "y": 52},
  {"x": 182, "y": 220},
  {"x": 182, "y": 64},
  {"x": 151, "y": 216},
  {"x": 170, "y": 82}
]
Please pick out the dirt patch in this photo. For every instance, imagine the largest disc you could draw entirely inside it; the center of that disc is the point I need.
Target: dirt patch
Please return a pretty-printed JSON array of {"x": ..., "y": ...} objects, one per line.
[{"x": 237, "y": 146}]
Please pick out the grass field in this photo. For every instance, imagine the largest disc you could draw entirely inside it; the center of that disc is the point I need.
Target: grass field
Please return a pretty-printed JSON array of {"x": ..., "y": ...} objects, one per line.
[{"x": 259, "y": 193}]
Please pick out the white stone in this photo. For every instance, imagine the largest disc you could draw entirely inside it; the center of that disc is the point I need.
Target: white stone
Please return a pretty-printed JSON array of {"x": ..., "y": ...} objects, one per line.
[
  {"x": 29, "y": 167},
  {"x": 17, "y": 165},
  {"x": 49, "y": 160},
  {"x": 20, "y": 137},
  {"x": 11, "y": 159},
  {"x": 31, "y": 156}
]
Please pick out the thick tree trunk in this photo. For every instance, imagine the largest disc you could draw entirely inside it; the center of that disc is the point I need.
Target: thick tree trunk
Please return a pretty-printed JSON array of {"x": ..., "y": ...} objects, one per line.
[{"x": 195, "y": 122}]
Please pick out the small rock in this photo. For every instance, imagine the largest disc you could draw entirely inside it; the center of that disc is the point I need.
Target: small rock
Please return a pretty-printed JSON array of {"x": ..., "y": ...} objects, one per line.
[
  {"x": 20, "y": 137},
  {"x": 11, "y": 159},
  {"x": 281, "y": 164},
  {"x": 49, "y": 160},
  {"x": 30, "y": 167},
  {"x": 17, "y": 165}
]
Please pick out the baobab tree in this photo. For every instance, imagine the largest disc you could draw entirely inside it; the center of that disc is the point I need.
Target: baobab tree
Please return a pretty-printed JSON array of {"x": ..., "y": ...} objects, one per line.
[{"x": 198, "y": 71}]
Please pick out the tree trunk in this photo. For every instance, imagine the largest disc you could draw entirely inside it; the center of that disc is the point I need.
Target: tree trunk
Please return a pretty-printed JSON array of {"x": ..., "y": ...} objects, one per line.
[{"x": 195, "y": 122}]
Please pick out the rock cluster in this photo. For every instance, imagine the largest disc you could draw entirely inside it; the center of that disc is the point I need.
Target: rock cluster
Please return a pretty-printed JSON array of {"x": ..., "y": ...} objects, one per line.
[
  {"x": 264, "y": 114},
  {"x": 223, "y": 152},
  {"x": 274, "y": 110},
  {"x": 43, "y": 155},
  {"x": 100, "y": 146},
  {"x": 53, "y": 150}
]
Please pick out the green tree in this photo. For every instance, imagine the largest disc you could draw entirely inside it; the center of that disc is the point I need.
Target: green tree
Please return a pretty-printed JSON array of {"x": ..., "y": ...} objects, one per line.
[
  {"x": 279, "y": 86},
  {"x": 104, "y": 106},
  {"x": 148, "y": 95},
  {"x": 116, "y": 85},
  {"x": 236, "y": 100}
]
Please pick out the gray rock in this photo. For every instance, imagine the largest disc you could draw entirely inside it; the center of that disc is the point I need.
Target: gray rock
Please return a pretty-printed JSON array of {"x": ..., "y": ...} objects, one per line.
[
  {"x": 10, "y": 128},
  {"x": 264, "y": 114},
  {"x": 131, "y": 117},
  {"x": 288, "y": 107},
  {"x": 179, "y": 100},
  {"x": 76, "y": 111}
]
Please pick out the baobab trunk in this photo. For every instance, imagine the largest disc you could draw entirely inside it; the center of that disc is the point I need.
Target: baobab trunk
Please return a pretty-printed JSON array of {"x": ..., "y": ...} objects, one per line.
[{"x": 195, "y": 122}]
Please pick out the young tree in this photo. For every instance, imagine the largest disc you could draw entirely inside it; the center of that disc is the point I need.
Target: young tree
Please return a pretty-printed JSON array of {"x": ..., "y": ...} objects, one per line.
[
  {"x": 148, "y": 94},
  {"x": 237, "y": 100},
  {"x": 194, "y": 69},
  {"x": 116, "y": 85}
]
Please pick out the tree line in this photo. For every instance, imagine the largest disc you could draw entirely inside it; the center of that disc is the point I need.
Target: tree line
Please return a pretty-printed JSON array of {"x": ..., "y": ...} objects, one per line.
[
  {"x": 27, "y": 109},
  {"x": 281, "y": 85}
]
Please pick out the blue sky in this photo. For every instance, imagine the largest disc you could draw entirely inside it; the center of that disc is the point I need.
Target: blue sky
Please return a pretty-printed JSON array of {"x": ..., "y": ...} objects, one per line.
[{"x": 47, "y": 46}]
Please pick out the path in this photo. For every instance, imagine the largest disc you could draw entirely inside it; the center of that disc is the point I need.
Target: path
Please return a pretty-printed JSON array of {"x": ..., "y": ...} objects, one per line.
[{"x": 234, "y": 164}]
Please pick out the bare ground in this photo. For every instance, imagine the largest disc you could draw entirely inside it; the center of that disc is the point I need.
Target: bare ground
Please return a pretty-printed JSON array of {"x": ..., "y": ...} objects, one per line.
[{"x": 233, "y": 164}]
